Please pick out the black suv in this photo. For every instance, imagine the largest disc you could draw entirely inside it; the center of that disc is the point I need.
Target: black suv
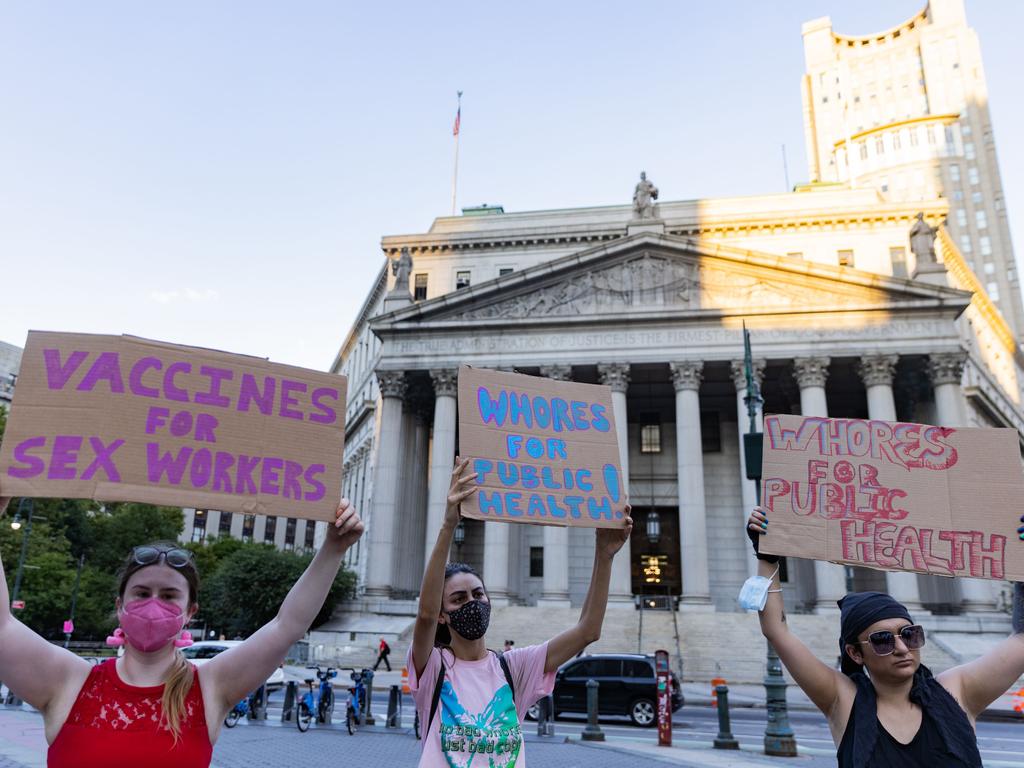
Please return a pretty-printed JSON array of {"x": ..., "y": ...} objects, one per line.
[{"x": 628, "y": 687}]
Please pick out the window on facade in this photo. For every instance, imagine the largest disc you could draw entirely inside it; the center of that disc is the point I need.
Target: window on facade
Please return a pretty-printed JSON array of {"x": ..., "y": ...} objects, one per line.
[
  {"x": 502, "y": 271},
  {"x": 898, "y": 257},
  {"x": 536, "y": 562},
  {"x": 958, "y": 195},
  {"x": 795, "y": 254},
  {"x": 650, "y": 438},
  {"x": 990, "y": 268},
  {"x": 930, "y": 131},
  {"x": 961, "y": 217},
  {"x": 845, "y": 258},
  {"x": 419, "y": 287},
  {"x": 896, "y": 140},
  {"x": 225, "y": 523},
  {"x": 969, "y": 150},
  {"x": 985, "y": 245},
  {"x": 884, "y": 183},
  {"x": 270, "y": 530},
  {"x": 976, "y": 198},
  {"x": 972, "y": 176},
  {"x": 993, "y": 291},
  {"x": 879, "y": 146},
  {"x": 954, "y": 172},
  {"x": 966, "y": 246},
  {"x": 913, "y": 137},
  {"x": 980, "y": 219},
  {"x": 863, "y": 151},
  {"x": 247, "y": 525},
  {"x": 199, "y": 525},
  {"x": 310, "y": 534},
  {"x": 462, "y": 279},
  {"x": 289, "y": 533},
  {"x": 965, "y": 129}
]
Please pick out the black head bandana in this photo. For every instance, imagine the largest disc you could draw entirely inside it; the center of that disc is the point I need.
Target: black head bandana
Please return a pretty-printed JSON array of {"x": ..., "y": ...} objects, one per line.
[
  {"x": 858, "y": 611},
  {"x": 471, "y": 620}
]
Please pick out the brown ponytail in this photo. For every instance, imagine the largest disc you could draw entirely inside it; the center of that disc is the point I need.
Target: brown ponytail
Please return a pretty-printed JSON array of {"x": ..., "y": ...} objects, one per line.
[{"x": 176, "y": 688}]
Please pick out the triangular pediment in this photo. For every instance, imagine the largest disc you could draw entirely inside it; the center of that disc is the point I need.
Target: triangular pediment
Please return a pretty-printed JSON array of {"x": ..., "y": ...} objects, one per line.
[{"x": 652, "y": 274}]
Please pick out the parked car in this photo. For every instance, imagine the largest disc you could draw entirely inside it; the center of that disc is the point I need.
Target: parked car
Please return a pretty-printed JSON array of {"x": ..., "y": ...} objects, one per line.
[
  {"x": 628, "y": 687},
  {"x": 201, "y": 652}
]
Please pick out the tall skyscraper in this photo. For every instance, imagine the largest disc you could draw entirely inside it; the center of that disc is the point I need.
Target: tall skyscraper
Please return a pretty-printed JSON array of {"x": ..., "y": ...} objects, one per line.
[{"x": 906, "y": 111}]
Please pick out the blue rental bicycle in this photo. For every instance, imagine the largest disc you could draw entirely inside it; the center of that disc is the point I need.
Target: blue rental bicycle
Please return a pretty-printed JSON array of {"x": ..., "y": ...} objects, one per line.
[
  {"x": 316, "y": 702},
  {"x": 356, "y": 699},
  {"x": 240, "y": 710}
]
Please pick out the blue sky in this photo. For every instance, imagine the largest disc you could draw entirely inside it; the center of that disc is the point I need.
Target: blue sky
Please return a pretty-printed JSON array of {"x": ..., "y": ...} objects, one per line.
[{"x": 221, "y": 173}]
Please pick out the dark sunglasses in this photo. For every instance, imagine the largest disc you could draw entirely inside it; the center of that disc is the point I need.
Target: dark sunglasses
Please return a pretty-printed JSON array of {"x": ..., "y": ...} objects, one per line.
[
  {"x": 883, "y": 642},
  {"x": 174, "y": 556}
]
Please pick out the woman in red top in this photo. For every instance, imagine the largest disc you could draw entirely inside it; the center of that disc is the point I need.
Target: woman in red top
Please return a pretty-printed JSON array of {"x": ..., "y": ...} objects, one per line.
[{"x": 151, "y": 706}]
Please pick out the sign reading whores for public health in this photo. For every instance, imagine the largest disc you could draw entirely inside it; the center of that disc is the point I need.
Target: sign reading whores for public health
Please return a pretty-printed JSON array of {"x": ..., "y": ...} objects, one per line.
[
  {"x": 544, "y": 451},
  {"x": 117, "y": 418},
  {"x": 894, "y": 496}
]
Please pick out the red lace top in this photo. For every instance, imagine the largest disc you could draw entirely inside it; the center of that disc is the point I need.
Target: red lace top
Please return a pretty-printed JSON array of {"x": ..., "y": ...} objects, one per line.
[{"x": 113, "y": 724}]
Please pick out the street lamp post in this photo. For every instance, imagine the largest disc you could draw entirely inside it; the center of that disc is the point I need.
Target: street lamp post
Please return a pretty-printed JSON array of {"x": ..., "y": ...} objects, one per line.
[
  {"x": 779, "y": 739},
  {"x": 74, "y": 602},
  {"x": 16, "y": 524}
]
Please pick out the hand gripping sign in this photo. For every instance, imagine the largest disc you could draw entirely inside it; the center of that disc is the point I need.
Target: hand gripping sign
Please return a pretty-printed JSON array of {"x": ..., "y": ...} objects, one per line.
[
  {"x": 544, "y": 451},
  {"x": 117, "y": 418},
  {"x": 894, "y": 496}
]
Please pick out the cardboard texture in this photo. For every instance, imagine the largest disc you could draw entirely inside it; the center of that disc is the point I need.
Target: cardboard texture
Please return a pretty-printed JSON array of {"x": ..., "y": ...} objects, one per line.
[
  {"x": 894, "y": 496},
  {"x": 118, "y": 418},
  {"x": 546, "y": 451}
]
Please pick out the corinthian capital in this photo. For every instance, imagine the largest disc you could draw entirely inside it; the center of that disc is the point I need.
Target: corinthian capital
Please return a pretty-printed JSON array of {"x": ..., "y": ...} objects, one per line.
[
  {"x": 811, "y": 371},
  {"x": 392, "y": 383},
  {"x": 877, "y": 370},
  {"x": 557, "y": 372},
  {"x": 946, "y": 367},
  {"x": 687, "y": 374},
  {"x": 446, "y": 381},
  {"x": 739, "y": 372},
  {"x": 614, "y": 375}
]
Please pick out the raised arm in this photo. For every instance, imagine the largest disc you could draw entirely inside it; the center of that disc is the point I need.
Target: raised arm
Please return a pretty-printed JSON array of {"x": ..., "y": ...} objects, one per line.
[
  {"x": 240, "y": 670},
  {"x": 982, "y": 681},
  {"x": 822, "y": 684},
  {"x": 562, "y": 647},
  {"x": 432, "y": 588},
  {"x": 33, "y": 668}
]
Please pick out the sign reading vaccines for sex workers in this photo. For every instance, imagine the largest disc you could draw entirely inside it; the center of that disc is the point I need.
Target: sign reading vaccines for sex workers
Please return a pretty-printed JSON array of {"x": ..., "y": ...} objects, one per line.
[
  {"x": 544, "y": 451},
  {"x": 894, "y": 496},
  {"x": 118, "y": 418}
]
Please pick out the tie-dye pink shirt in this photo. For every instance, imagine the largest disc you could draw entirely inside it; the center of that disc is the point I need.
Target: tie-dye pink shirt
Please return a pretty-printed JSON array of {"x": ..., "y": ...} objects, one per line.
[{"x": 477, "y": 724}]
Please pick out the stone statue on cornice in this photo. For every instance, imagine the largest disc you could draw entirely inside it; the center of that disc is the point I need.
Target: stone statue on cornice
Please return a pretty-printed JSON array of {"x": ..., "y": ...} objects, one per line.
[
  {"x": 401, "y": 268},
  {"x": 643, "y": 198},
  {"x": 922, "y": 241}
]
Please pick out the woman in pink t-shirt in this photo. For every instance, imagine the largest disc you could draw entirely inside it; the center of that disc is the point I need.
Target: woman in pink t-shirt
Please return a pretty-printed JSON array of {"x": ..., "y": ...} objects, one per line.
[{"x": 477, "y": 713}]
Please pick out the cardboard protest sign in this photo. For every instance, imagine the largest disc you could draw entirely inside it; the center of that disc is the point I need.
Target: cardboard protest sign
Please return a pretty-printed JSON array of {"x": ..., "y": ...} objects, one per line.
[
  {"x": 545, "y": 451},
  {"x": 894, "y": 496},
  {"x": 117, "y": 418}
]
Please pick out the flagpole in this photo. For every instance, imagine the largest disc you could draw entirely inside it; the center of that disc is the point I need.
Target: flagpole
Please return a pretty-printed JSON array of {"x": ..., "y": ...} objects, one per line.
[{"x": 457, "y": 131}]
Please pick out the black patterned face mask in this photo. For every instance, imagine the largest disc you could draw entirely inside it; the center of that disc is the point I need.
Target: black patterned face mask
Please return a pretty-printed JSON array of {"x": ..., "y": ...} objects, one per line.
[{"x": 470, "y": 621}]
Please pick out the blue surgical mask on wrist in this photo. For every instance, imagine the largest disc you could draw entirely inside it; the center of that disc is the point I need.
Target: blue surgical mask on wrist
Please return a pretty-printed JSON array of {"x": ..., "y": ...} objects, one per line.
[{"x": 754, "y": 592}]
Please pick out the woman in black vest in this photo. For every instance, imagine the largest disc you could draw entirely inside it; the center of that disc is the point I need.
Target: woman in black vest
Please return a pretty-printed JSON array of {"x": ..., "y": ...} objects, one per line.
[{"x": 885, "y": 709}]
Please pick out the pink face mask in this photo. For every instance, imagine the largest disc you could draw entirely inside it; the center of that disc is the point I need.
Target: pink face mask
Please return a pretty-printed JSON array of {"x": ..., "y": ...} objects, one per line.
[{"x": 150, "y": 624}]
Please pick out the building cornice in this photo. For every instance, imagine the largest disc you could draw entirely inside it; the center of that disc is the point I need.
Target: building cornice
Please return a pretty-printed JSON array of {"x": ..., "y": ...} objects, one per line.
[
  {"x": 946, "y": 118},
  {"x": 893, "y": 33}
]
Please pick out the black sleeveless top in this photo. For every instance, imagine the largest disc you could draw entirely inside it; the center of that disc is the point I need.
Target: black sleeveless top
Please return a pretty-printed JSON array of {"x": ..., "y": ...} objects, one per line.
[{"x": 944, "y": 740}]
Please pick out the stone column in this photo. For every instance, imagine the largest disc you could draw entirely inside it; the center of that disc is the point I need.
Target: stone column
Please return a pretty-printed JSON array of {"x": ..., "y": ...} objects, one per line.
[
  {"x": 747, "y": 487},
  {"x": 686, "y": 377},
  {"x": 877, "y": 371},
  {"x": 811, "y": 373},
  {"x": 946, "y": 370},
  {"x": 496, "y": 545},
  {"x": 442, "y": 454},
  {"x": 385, "y": 485},
  {"x": 418, "y": 508},
  {"x": 555, "y": 591},
  {"x": 616, "y": 376}
]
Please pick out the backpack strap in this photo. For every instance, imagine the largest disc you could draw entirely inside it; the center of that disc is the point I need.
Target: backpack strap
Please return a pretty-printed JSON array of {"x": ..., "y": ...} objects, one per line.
[
  {"x": 508, "y": 672},
  {"x": 437, "y": 694}
]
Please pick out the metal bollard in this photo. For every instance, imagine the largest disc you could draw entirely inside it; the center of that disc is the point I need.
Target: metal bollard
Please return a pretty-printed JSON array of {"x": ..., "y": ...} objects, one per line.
[
  {"x": 725, "y": 739},
  {"x": 546, "y": 716},
  {"x": 291, "y": 693},
  {"x": 368, "y": 701},
  {"x": 258, "y": 703},
  {"x": 392, "y": 720},
  {"x": 593, "y": 731},
  {"x": 328, "y": 712}
]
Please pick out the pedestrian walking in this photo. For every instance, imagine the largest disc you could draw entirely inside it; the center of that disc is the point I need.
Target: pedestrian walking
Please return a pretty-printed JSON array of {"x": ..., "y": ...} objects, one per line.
[
  {"x": 472, "y": 700},
  {"x": 509, "y": 644},
  {"x": 383, "y": 650},
  {"x": 152, "y": 707},
  {"x": 885, "y": 708}
]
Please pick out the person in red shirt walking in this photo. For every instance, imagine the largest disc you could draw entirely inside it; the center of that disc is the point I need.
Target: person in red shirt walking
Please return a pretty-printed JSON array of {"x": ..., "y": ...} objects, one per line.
[
  {"x": 382, "y": 655},
  {"x": 152, "y": 707}
]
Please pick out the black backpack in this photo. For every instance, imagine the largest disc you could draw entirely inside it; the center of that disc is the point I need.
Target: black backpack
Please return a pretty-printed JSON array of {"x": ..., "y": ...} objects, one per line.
[{"x": 440, "y": 682}]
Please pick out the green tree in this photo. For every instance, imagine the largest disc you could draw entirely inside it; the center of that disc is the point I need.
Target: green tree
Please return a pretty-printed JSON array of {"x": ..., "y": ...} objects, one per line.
[{"x": 248, "y": 587}]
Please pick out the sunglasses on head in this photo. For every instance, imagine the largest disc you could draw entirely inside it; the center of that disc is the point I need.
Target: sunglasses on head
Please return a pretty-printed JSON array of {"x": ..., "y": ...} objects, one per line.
[
  {"x": 173, "y": 556},
  {"x": 883, "y": 642}
]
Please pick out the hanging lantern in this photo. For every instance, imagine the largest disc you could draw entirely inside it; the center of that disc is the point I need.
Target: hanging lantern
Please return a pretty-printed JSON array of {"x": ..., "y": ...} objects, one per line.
[{"x": 653, "y": 526}]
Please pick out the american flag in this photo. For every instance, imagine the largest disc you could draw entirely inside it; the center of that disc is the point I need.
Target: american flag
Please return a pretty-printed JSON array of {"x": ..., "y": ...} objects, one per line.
[{"x": 458, "y": 119}]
